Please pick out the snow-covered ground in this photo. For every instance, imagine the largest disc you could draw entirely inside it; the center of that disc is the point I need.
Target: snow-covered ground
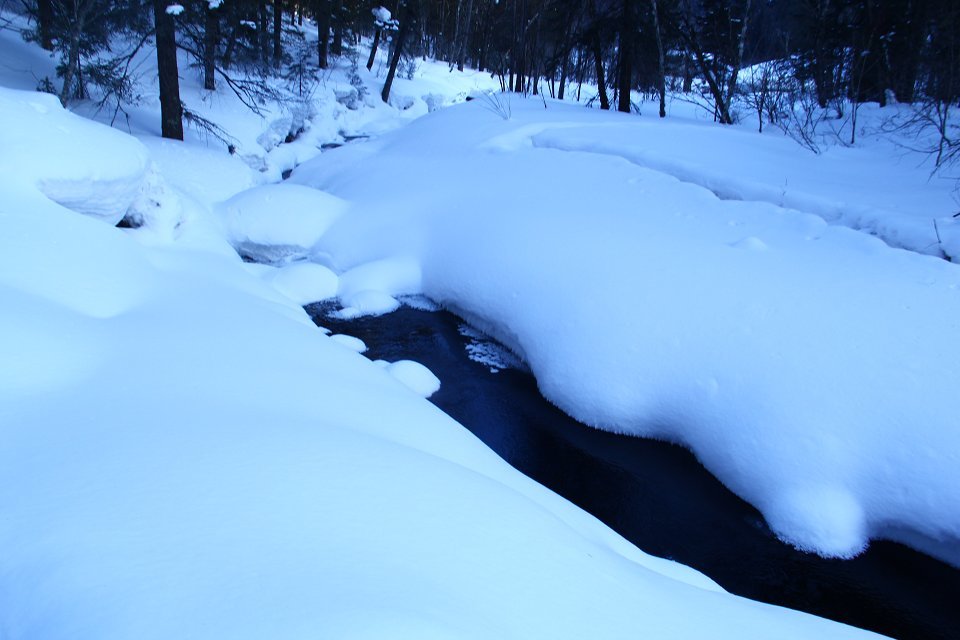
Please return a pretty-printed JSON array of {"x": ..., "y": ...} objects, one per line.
[
  {"x": 878, "y": 187},
  {"x": 184, "y": 453}
]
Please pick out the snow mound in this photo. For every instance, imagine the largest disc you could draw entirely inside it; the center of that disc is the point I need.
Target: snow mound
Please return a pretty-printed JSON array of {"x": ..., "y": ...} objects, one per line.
[
  {"x": 393, "y": 276},
  {"x": 415, "y": 376},
  {"x": 304, "y": 282},
  {"x": 52, "y": 149},
  {"x": 350, "y": 342},
  {"x": 402, "y": 102},
  {"x": 751, "y": 243},
  {"x": 278, "y": 222},
  {"x": 367, "y": 303}
]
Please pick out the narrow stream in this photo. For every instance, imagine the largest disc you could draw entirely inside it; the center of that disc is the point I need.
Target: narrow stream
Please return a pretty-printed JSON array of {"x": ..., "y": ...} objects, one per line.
[{"x": 655, "y": 494}]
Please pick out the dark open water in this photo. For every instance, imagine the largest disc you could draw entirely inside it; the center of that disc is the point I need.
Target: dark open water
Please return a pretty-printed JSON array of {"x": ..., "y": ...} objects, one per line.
[{"x": 657, "y": 495}]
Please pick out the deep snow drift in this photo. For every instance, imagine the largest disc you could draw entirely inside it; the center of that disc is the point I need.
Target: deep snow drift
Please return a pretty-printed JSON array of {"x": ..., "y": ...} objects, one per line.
[
  {"x": 184, "y": 455},
  {"x": 812, "y": 368}
]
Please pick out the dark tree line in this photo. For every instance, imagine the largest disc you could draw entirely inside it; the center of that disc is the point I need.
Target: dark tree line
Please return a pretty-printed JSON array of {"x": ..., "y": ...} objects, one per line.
[{"x": 838, "y": 51}]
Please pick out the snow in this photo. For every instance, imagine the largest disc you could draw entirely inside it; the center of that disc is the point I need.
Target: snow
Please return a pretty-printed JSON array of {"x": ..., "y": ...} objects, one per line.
[
  {"x": 368, "y": 302},
  {"x": 174, "y": 9},
  {"x": 350, "y": 342},
  {"x": 381, "y": 15},
  {"x": 482, "y": 350},
  {"x": 304, "y": 282},
  {"x": 810, "y": 367},
  {"x": 372, "y": 288},
  {"x": 856, "y": 187},
  {"x": 184, "y": 453},
  {"x": 415, "y": 376},
  {"x": 275, "y": 223},
  {"x": 49, "y": 150}
]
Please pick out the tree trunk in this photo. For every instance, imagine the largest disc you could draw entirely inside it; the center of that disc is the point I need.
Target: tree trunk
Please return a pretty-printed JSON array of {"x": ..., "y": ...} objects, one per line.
[
  {"x": 661, "y": 73},
  {"x": 73, "y": 61},
  {"x": 234, "y": 33},
  {"x": 211, "y": 37},
  {"x": 734, "y": 72},
  {"x": 710, "y": 69},
  {"x": 263, "y": 33},
  {"x": 581, "y": 71},
  {"x": 563, "y": 76},
  {"x": 337, "y": 19},
  {"x": 465, "y": 38},
  {"x": 397, "y": 52},
  {"x": 722, "y": 108},
  {"x": 455, "y": 43},
  {"x": 171, "y": 110},
  {"x": 373, "y": 49},
  {"x": 625, "y": 71},
  {"x": 45, "y": 23},
  {"x": 277, "y": 32},
  {"x": 598, "y": 63},
  {"x": 323, "y": 32}
]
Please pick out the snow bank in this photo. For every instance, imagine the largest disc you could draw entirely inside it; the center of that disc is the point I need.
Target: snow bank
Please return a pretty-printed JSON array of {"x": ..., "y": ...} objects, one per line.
[
  {"x": 857, "y": 187},
  {"x": 810, "y": 367},
  {"x": 51, "y": 149}
]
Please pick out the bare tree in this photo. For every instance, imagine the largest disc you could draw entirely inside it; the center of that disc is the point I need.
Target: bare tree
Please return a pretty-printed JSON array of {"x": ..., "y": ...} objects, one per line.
[{"x": 715, "y": 34}]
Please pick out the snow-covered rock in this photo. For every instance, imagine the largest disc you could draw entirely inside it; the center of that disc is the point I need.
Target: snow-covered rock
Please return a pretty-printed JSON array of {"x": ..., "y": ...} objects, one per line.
[
  {"x": 304, "y": 282},
  {"x": 415, "y": 376},
  {"x": 278, "y": 222},
  {"x": 350, "y": 342}
]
